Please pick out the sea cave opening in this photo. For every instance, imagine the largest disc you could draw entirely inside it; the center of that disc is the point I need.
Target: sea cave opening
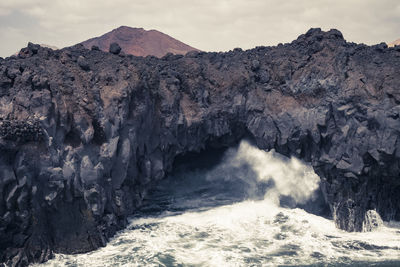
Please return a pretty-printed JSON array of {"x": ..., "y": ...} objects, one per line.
[{"x": 219, "y": 176}]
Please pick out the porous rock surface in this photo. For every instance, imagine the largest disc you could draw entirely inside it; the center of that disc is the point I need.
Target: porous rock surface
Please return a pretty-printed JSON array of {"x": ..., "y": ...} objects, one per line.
[{"x": 84, "y": 133}]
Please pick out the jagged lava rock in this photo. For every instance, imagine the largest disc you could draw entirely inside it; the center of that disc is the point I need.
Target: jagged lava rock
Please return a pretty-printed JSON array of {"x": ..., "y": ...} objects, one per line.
[{"x": 80, "y": 148}]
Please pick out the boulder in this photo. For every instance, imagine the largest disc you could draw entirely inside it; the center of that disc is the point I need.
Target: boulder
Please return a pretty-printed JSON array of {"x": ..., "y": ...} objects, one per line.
[
  {"x": 115, "y": 48},
  {"x": 82, "y": 62}
]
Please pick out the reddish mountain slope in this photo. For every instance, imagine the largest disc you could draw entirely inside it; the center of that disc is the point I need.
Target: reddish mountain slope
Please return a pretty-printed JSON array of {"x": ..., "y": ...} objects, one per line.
[
  {"x": 139, "y": 42},
  {"x": 397, "y": 42}
]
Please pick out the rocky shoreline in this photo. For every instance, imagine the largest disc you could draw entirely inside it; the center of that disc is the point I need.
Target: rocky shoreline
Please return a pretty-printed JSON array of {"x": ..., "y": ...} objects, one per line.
[{"x": 84, "y": 133}]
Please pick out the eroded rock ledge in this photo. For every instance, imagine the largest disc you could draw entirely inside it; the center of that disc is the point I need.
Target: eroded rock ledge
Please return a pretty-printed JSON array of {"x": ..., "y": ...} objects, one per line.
[{"x": 85, "y": 133}]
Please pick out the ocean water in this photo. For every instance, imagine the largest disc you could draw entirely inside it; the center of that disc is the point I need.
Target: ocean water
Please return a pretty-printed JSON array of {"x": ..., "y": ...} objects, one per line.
[{"x": 251, "y": 208}]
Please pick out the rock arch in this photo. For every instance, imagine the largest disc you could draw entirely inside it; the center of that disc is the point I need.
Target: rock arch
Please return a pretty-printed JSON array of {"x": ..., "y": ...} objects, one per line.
[{"x": 329, "y": 102}]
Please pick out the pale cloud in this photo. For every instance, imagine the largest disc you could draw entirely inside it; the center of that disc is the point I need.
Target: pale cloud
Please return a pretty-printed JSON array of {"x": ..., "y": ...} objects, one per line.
[
  {"x": 4, "y": 11},
  {"x": 211, "y": 25}
]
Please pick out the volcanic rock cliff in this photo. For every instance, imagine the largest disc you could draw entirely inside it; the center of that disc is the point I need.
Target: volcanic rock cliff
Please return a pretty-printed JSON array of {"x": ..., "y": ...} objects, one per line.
[{"x": 85, "y": 133}]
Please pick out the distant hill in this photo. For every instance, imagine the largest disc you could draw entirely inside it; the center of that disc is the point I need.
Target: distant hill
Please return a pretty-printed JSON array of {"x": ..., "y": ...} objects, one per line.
[
  {"x": 139, "y": 42},
  {"x": 397, "y": 42}
]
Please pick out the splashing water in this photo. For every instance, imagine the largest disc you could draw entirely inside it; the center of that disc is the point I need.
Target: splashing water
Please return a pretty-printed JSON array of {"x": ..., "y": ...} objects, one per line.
[
  {"x": 237, "y": 214},
  {"x": 288, "y": 177}
]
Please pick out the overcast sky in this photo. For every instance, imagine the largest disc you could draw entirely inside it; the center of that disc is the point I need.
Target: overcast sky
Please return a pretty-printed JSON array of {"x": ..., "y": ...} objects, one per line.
[{"x": 210, "y": 25}]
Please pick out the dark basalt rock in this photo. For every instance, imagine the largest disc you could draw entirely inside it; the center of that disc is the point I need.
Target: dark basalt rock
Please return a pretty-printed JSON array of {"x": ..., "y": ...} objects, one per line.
[
  {"x": 79, "y": 149},
  {"x": 83, "y": 63},
  {"x": 115, "y": 48}
]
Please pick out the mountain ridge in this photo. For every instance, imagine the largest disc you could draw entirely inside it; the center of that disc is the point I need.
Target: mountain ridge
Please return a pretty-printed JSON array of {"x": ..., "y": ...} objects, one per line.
[
  {"x": 140, "y": 42},
  {"x": 394, "y": 43}
]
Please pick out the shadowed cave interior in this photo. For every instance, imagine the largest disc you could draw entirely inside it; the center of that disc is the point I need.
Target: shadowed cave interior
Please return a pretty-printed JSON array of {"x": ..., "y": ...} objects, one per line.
[{"x": 210, "y": 178}]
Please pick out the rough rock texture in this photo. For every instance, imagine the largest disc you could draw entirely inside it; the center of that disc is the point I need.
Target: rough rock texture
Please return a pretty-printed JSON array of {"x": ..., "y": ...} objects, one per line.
[
  {"x": 114, "y": 48},
  {"x": 42, "y": 45},
  {"x": 85, "y": 133},
  {"x": 139, "y": 42}
]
